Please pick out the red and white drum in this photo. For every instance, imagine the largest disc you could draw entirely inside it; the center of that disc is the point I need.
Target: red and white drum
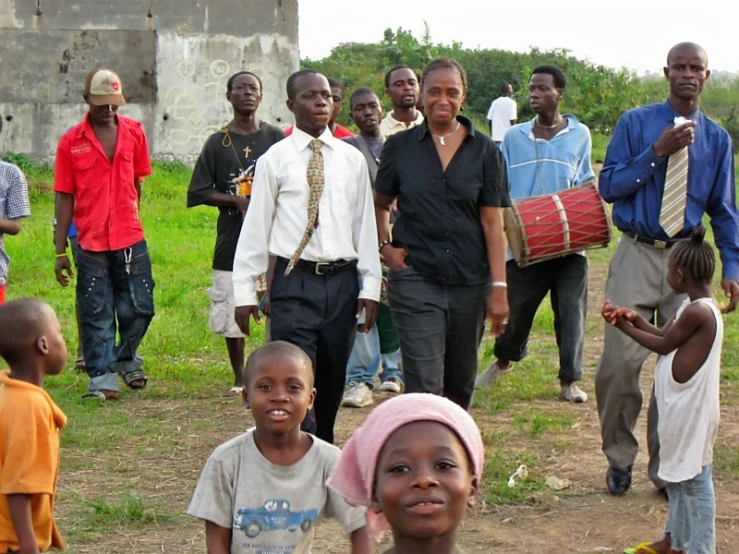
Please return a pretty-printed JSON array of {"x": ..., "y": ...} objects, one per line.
[{"x": 543, "y": 227}]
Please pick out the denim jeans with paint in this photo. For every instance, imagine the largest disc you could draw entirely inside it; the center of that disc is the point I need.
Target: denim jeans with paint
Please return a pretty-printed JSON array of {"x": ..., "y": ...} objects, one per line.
[
  {"x": 364, "y": 361},
  {"x": 691, "y": 521},
  {"x": 115, "y": 293}
]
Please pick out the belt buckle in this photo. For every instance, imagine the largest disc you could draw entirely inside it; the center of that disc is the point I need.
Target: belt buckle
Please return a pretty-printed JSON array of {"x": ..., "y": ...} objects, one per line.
[
  {"x": 660, "y": 244},
  {"x": 318, "y": 267}
]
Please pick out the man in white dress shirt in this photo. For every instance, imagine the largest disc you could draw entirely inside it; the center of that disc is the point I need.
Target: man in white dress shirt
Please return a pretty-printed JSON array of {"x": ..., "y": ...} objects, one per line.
[
  {"x": 502, "y": 114},
  {"x": 315, "y": 296}
]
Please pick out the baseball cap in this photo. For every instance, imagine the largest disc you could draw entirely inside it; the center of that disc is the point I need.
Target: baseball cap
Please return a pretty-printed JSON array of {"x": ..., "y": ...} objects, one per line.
[{"x": 104, "y": 86}]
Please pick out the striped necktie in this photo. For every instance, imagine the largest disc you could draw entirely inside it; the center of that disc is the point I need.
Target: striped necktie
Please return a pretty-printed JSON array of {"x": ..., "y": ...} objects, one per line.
[
  {"x": 316, "y": 180},
  {"x": 674, "y": 196}
]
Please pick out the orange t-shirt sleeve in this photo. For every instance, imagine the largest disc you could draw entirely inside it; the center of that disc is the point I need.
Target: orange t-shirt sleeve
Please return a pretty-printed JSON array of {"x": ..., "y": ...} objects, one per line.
[
  {"x": 30, "y": 458},
  {"x": 63, "y": 169}
]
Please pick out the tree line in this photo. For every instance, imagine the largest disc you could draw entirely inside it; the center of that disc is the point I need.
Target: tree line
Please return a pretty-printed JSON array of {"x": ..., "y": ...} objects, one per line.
[{"x": 596, "y": 94}]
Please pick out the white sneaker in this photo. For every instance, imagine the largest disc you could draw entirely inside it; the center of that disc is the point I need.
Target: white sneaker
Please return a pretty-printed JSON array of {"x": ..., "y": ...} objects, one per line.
[
  {"x": 391, "y": 385},
  {"x": 491, "y": 375},
  {"x": 358, "y": 396},
  {"x": 572, "y": 393}
]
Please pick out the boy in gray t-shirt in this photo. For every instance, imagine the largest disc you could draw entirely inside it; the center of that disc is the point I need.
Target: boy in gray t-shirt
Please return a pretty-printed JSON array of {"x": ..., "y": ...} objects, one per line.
[{"x": 262, "y": 492}]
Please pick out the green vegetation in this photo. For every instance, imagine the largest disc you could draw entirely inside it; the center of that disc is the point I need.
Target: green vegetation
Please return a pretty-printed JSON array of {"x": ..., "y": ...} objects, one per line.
[{"x": 597, "y": 95}]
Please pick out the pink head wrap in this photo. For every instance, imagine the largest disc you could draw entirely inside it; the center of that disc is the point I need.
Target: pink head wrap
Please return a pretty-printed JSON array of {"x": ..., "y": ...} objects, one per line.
[{"x": 353, "y": 476}]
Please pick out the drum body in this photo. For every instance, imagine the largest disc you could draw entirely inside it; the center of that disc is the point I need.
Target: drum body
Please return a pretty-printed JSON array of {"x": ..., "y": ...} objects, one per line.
[{"x": 540, "y": 228}]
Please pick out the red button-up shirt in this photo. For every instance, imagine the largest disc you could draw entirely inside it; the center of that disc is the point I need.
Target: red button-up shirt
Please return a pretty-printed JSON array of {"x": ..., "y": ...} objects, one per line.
[{"x": 106, "y": 202}]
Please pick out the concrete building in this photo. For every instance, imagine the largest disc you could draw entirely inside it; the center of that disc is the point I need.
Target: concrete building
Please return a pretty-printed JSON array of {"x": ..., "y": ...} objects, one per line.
[{"x": 174, "y": 57}]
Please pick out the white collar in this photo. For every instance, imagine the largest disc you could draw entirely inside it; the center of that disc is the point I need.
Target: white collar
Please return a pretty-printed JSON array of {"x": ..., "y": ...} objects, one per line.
[
  {"x": 302, "y": 139},
  {"x": 396, "y": 123}
]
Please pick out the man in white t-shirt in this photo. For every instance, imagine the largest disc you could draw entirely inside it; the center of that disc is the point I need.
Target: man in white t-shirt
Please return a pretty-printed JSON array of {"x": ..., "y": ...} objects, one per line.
[{"x": 502, "y": 114}]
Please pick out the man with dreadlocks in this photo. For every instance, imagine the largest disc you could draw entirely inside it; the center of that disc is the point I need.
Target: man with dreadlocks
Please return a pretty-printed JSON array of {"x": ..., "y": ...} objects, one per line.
[
  {"x": 667, "y": 165},
  {"x": 687, "y": 393},
  {"x": 222, "y": 177}
]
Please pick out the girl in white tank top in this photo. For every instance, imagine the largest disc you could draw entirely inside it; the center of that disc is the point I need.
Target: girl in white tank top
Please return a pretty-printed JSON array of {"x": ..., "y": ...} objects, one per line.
[{"x": 687, "y": 392}]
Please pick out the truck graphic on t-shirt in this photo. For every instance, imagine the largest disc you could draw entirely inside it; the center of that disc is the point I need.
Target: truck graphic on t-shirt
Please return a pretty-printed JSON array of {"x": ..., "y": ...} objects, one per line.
[{"x": 274, "y": 515}]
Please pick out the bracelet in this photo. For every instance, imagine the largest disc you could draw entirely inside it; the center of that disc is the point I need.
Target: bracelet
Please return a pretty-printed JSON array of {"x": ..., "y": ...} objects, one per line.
[
  {"x": 501, "y": 284},
  {"x": 383, "y": 244},
  {"x": 62, "y": 255}
]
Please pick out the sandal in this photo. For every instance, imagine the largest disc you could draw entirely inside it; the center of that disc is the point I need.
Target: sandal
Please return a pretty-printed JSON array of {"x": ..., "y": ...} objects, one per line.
[
  {"x": 101, "y": 395},
  {"x": 133, "y": 377},
  {"x": 641, "y": 548}
]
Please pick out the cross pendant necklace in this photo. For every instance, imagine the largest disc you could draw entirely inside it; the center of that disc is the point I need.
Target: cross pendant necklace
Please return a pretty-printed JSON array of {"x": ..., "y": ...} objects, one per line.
[
  {"x": 442, "y": 137},
  {"x": 246, "y": 152}
]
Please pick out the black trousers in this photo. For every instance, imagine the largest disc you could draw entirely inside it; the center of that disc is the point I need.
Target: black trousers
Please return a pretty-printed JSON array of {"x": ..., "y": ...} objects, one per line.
[{"x": 317, "y": 313}]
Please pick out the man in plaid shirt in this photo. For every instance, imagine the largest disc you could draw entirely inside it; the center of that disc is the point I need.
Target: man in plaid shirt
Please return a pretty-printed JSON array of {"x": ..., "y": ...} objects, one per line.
[{"x": 14, "y": 206}]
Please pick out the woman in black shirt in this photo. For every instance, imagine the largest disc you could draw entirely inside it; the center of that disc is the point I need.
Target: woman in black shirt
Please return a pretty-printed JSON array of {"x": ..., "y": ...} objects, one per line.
[{"x": 447, "y": 255}]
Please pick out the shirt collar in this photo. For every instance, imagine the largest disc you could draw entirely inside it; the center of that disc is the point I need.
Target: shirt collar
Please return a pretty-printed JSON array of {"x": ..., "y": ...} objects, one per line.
[
  {"x": 395, "y": 123},
  {"x": 302, "y": 139},
  {"x": 462, "y": 119},
  {"x": 9, "y": 383},
  {"x": 86, "y": 127},
  {"x": 527, "y": 128},
  {"x": 671, "y": 113}
]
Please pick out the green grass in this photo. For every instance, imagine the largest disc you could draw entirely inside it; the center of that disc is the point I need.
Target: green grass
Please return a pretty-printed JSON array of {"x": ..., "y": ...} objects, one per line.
[{"x": 534, "y": 423}]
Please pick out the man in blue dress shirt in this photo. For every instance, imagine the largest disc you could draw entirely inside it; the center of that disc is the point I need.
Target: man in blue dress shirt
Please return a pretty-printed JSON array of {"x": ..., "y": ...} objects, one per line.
[{"x": 633, "y": 179}]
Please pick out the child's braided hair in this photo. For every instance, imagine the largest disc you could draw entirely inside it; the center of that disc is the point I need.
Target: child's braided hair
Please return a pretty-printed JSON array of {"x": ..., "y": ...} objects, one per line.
[{"x": 695, "y": 256}]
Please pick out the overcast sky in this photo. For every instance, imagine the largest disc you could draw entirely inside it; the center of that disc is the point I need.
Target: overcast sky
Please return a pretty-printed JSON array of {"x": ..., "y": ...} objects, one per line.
[{"x": 634, "y": 34}]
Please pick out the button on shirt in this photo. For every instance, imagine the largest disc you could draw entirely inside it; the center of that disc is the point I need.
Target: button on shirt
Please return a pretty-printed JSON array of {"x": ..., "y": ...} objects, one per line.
[
  {"x": 633, "y": 179},
  {"x": 106, "y": 203},
  {"x": 439, "y": 222},
  {"x": 278, "y": 214}
]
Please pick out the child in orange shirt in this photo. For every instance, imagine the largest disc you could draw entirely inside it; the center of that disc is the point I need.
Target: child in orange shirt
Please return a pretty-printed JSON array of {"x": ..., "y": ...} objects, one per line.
[{"x": 31, "y": 343}]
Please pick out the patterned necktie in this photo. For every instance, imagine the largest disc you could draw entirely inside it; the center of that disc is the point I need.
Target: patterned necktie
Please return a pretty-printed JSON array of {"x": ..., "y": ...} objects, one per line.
[
  {"x": 672, "y": 212},
  {"x": 316, "y": 180}
]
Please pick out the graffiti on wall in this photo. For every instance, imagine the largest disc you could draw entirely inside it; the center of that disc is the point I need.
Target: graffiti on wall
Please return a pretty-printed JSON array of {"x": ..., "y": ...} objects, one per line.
[{"x": 196, "y": 106}]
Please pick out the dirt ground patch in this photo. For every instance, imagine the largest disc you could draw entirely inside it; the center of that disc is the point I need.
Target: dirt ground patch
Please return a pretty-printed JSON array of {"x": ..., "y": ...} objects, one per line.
[{"x": 132, "y": 497}]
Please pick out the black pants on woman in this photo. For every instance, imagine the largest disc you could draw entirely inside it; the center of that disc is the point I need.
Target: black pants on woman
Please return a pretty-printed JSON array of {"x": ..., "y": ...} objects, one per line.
[{"x": 440, "y": 327}]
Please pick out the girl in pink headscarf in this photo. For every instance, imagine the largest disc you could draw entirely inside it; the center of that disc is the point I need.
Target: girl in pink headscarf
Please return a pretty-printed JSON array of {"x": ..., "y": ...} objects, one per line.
[{"x": 416, "y": 463}]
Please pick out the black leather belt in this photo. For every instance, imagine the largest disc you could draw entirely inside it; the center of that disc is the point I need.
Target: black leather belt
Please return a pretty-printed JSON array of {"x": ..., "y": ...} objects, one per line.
[
  {"x": 662, "y": 244},
  {"x": 327, "y": 268}
]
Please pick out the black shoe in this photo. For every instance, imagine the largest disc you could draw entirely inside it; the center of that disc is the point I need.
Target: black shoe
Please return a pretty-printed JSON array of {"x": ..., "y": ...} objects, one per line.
[{"x": 618, "y": 479}]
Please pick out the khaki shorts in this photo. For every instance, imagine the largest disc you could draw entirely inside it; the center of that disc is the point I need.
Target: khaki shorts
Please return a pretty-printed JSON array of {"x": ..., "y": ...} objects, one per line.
[{"x": 221, "y": 294}]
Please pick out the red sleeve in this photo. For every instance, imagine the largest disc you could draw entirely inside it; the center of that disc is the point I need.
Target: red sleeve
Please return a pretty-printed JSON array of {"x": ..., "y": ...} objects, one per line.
[
  {"x": 141, "y": 159},
  {"x": 64, "y": 180}
]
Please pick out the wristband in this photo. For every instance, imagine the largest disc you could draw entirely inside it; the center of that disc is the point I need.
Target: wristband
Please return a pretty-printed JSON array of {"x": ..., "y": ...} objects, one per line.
[
  {"x": 383, "y": 244},
  {"x": 62, "y": 255},
  {"x": 501, "y": 284}
]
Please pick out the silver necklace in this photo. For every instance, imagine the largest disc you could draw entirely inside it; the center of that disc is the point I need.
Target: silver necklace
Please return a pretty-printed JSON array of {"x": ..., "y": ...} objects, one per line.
[{"x": 442, "y": 137}]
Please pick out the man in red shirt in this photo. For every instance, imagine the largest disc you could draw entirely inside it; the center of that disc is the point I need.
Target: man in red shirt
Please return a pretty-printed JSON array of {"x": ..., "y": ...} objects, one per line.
[{"x": 100, "y": 164}]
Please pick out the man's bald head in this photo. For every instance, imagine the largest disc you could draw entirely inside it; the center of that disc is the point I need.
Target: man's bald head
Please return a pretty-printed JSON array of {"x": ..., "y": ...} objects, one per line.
[
  {"x": 22, "y": 322},
  {"x": 687, "y": 48}
]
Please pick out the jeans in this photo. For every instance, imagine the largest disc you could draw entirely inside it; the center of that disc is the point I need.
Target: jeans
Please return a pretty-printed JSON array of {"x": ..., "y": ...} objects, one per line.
[
  {"x": 440, "y": 327},
  {"x": 567, "y": 280},
  {"x": 364, "y": 361},
  {"x": 114, "y": 290},
  {"x": 691, "y": 521}
]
